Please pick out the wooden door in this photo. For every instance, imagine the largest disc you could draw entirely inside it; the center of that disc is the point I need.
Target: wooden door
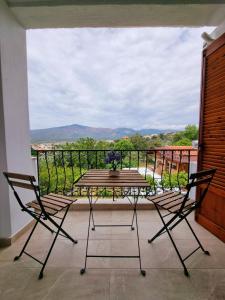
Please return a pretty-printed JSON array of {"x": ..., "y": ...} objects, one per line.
[{"x": 212, "y": 136}]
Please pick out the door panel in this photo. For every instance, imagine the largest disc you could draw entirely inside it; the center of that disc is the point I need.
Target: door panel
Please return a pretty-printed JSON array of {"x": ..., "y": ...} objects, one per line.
[{"x": 212, "y": 136}]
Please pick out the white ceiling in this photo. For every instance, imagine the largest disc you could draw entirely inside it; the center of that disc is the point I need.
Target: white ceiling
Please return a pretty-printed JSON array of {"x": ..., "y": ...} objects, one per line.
[{"x": 71, "y": 13}]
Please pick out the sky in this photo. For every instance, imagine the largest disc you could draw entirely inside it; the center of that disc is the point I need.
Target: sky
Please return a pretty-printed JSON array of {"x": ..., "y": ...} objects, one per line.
[{"x": 134, "y": 77}]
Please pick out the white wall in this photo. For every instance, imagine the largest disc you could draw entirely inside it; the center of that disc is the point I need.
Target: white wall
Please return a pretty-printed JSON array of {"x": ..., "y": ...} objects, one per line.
[
  {"x": 193, "y": 169},
  {"x": 14, "y": 118},
  {"x": 219, "y": 30}
]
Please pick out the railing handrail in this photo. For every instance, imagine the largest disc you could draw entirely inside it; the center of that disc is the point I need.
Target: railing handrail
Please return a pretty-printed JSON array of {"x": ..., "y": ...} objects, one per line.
[
  {"x": 127, "y": 150},
  {"x": 64, "y": 165}
]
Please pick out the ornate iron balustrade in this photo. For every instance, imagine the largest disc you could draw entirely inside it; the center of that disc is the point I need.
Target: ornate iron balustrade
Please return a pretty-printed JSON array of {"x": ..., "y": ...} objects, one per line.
[{"x": 58, "y": 170}]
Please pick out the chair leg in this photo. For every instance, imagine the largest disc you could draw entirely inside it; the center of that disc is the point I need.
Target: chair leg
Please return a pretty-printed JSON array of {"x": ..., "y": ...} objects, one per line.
[
  {"x": 170, "y": 236},
  {"x": 61, "y": 229},
  {"x": 28, "y": 239},
  {"x": 53, "y": 243},
  {"x": 163, "y": 228},
  {"x": 198, "y": 241},
  {"x": 175, "y": 224},
  {"x": 93, "y": 222}
]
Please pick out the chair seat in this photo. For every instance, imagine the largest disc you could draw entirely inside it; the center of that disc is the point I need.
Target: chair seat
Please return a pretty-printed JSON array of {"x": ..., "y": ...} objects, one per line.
[
  {"x": 171, "y": 201},
  {"x": 52, "y": 203}
]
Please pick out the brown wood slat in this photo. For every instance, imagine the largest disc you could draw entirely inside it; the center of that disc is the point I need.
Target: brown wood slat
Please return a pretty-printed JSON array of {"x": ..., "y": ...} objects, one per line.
[
  {"x": 215, "y": 131},
  {"x": 187, "y": 205},
  {"x": 22, "y": 185},
  {"x": 160, "y": 195},
  {"x": 50, "y": 205},
  {"x": 104, "y": 184},
  {"x": 163, "y": 197},
  {"x": 175, "y": 203},
  {"x": 210, "y": 98},
  {"x": 213, "y": 120},
  {"x": 61, "y": 196},
  {"x": 58, "y": 203},
  {"x": 210, "y": 101},
  {"x": 119, "y": 180},
  {"x": 101, "y": 171},
  {"x": 37, "y": 207},
  {"x": 215, "y": 141},
  {"x": 214, "y": 126},
  {"x": 215, "y": 164},
  {"x": 170, "y": 200},
  {"x": 100, "y": 178},
  {"x": 216, "y": 117},
  {"x": 213, "y": 71},
  {"x": 215, "y": 49},
  {"x": 213, "y": 123},
  {"x": 217, "y": 158},
  {"x": 20, "y": 176},
  {"x": 213, "y": 109},
  {"x": 215, "y": 90},
  {"x": 220, "y": 77},
  {"x": 59, "y": 199},
  {"x": 107, "y": 174},
  {"x": 107, "y": 177},
  {"x": 218, "y": 186},
  {"x": 218, "y": 149},
  {"x": 215, "y": 113}
]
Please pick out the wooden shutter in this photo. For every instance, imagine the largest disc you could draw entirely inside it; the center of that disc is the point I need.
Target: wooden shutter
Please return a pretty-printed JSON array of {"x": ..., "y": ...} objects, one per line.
[{"x": 212, "y": 136}]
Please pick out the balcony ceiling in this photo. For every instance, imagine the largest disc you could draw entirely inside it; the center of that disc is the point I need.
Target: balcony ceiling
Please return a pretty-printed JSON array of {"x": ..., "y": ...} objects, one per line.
[{"x": 116, "y": 13}]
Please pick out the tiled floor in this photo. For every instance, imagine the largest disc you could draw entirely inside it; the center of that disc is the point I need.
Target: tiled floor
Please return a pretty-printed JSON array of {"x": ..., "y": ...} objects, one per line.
[{"x": 115, "y": 278}]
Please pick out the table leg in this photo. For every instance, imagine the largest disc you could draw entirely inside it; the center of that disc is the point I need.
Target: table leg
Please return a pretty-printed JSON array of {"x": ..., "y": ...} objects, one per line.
[
  {"x": 135, "y": 217},
  {"x": 143, "y": 272},
  {"x": 82, "y": 271},
  {"x": 132, "y": 223}
]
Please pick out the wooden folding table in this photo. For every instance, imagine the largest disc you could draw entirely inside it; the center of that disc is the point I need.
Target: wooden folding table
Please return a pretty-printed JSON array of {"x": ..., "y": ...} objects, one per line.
[{"x": 131, "y": 183}]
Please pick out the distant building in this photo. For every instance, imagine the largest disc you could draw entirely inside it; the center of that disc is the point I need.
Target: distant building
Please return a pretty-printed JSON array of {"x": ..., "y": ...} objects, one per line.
[
  {"x": 110, "y": 141},
  {"x": 40, "y": 147},
  {"x": 149, "y": 136},
  {"x": 175, "y": 158}
]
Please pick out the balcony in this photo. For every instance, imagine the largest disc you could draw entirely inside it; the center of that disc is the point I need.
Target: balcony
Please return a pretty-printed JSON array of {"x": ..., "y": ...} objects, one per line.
[{"x": 108, "y": 279}]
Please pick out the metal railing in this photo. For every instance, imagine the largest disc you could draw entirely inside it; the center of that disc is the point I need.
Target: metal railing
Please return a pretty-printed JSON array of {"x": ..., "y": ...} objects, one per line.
[{"x": 58, "y": 170}]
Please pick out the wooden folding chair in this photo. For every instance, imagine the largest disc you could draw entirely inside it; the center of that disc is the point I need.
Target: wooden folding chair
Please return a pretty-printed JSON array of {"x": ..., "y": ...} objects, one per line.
[
  {"x": 41, "y": 209},
  {"x": 180, "y": 206}
]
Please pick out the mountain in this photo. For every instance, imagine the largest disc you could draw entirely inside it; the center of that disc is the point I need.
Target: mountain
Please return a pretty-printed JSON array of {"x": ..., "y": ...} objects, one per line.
[{"x": 75, "y": 131}]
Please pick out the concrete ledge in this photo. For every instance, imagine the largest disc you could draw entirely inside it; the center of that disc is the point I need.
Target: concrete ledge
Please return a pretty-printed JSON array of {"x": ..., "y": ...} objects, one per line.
[
  {"x": 111, "y": 206},
  {"x": 6, "y": 242}
]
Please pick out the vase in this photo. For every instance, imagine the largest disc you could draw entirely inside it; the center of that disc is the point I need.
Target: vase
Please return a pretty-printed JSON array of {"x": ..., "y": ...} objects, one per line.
[{"x": 114, "y": 173}]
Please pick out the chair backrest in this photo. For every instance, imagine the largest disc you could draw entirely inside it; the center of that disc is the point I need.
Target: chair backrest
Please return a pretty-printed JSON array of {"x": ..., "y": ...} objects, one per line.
[
  {"x": 23, "y": 181},
  {"x": 203, "y": 179}
]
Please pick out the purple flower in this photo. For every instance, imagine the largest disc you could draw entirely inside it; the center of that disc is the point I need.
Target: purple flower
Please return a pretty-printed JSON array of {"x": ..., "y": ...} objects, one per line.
[{"x": 113, "y": 158}]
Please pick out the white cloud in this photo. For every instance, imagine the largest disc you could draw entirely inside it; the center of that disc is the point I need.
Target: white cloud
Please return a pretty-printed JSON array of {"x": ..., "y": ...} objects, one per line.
[{"x": 139, "y": 78}]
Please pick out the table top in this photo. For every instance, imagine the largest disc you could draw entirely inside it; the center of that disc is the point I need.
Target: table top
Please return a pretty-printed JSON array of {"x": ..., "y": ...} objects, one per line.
[{"x": 101, "y": 178}]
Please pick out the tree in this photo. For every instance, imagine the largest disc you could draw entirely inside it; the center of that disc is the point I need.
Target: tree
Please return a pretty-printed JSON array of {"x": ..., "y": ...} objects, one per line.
[
  {"x": 85, "y": 144},
  {"x": 103, "y": 145},
  {"x": 177, "y": 137},
  {"x": 139, "y": 142},
  {"x": 155, "y": 142},
  {"x": 185, "y": 137},
  {"x": 183, "y": 142},
  {"x": 123, "y": 145},
  {"x": 191, "y": 132}
]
